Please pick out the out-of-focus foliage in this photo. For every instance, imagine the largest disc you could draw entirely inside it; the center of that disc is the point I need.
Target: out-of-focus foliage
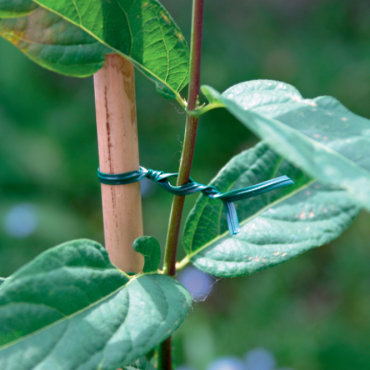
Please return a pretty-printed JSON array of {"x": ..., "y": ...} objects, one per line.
[{"x": 312, "y": 312}]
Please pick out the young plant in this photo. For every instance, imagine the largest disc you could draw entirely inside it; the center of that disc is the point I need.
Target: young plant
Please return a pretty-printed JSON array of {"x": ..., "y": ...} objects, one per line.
[{"x": 72, "y": 308}]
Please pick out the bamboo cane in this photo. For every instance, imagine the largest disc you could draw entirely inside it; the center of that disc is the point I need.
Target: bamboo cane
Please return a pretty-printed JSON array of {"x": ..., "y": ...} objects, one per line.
[{"x": 118, "y": 153}]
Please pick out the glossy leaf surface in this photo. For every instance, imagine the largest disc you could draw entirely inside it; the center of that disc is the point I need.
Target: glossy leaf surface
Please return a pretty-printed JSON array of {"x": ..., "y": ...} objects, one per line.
[
  {"x": 72, "y": 309},
  {"x": 320, "y": 135},
  {"x": 149, "y": 247},
  {"x": 54, "y": 43},
  {"x": 275, "y": 227},
  {"x": 141, "y": 30}
]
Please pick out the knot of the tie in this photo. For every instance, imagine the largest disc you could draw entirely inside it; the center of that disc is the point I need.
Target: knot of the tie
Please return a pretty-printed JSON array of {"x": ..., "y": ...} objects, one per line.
[{"x": 153, "y": 174}]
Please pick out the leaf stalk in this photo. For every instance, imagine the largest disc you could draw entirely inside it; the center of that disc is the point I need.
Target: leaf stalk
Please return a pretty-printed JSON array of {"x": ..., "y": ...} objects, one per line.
[{"x": 204, "y": 109}]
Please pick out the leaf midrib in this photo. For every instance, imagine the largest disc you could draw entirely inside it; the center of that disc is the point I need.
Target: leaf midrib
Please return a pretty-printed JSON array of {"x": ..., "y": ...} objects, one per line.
[
  {"x": 314, "y": 143},
  {"x": 11, "y": 34},
  {"x": 228, "y": 188},
  {"x": 191, "y": 255},
  {"x": 110, "y": 47},
  {"x": 68, "y": 317}
]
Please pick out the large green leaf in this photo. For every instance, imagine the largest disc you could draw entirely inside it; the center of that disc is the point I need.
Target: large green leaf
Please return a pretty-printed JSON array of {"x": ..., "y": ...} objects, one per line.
[
  {"x": 319, "y": 135},
  {"x": 16, "y": 8},
  {"x": 72, "y": 309},
  {"x": 140, "y": 30},
  {"x": 54, "y": 43},
  {"x": 275, "y": 227}
]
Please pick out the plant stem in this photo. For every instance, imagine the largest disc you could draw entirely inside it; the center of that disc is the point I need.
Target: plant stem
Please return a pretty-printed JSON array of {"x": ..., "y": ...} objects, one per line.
[
  {"x": 165, "y": 360},
  {"x": 187, "y": 155},
  {"x": 189, "y": 139}
]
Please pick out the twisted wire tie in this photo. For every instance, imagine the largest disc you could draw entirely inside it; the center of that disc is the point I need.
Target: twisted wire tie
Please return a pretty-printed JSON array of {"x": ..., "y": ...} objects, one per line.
[{"x": 192, "y": 187}]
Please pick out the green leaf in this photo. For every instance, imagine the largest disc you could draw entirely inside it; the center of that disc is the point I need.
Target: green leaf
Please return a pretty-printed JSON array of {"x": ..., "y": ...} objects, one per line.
[
  {"x": 141, "y": 30},
  {"x": 16, "y": 8},
  {"x": 72, "y": 309},
  {"x": 319, "y": 135},
  {"x": 140, "y": 364},
  {"x": 54, "y": 43},
  {"x": 149, "y": 247},
  {"x": 275, "y": 227},
  {"x": 150, "y": 354},
  {"x": 2, "y": 280}
]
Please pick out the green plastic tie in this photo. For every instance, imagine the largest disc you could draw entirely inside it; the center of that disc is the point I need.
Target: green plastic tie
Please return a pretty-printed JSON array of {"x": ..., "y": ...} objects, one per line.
[{"x": 192, "y": 187}]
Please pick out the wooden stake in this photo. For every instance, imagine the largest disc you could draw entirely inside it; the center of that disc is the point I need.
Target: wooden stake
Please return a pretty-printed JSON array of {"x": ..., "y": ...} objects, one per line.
[{"x": 118, "y": 153}]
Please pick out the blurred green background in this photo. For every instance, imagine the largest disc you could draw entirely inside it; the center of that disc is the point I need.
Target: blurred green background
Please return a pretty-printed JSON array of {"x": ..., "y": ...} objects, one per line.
[{"x": 312, "y": 313}]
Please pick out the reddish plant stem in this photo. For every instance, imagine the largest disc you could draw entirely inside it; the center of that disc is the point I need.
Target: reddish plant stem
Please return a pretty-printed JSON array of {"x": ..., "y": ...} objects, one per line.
[
  {"x": 189, "y": 139},
  {"x": 164, "y": 360},
  {"x": 178, "y": 201},
  {"x": 165, "y": 352}
]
